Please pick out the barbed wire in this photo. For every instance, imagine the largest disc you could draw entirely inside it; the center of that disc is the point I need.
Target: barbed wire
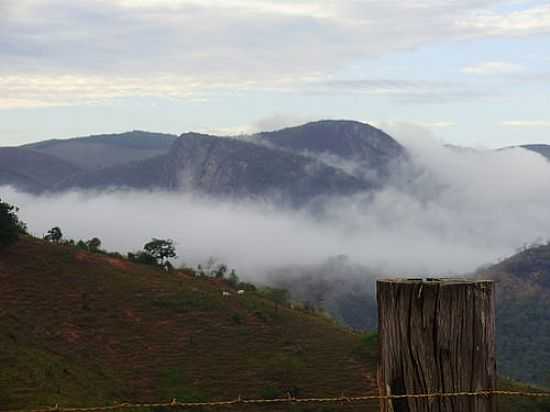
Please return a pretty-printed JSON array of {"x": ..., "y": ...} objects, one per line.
[{"x": 290, "y": 399}]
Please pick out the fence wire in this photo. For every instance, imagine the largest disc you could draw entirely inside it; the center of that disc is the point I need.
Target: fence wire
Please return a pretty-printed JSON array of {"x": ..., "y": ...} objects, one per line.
[{"x": 341, "y": 399}]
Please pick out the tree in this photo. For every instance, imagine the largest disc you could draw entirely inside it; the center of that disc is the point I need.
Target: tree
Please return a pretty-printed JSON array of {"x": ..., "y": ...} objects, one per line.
[
  {"x": 54, "y": 235},
  {"x": 93, "y": 244},
  {"x": 142, "y": 258},
  {"x": 10, "y": 225},
  {"x": 220, "y": 271},
  {"x": 161, "y": 250}
]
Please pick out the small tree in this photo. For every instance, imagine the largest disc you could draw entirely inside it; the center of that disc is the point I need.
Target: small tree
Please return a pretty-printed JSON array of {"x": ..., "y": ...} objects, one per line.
[
  {"x": 93, "y": 244},
  {"x": 54, "y": 235},
  {"x": 220, "y": 271},
  {"x": 161, "y": 250},
  {"x": 10, "y": 225}
]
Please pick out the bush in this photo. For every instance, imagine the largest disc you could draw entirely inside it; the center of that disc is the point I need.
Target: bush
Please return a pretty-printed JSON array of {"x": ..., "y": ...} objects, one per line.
[
  {"x": 143, "y": 258},
  {"x": 54, "y": 235},
  {"x": 10, "y": 225}
]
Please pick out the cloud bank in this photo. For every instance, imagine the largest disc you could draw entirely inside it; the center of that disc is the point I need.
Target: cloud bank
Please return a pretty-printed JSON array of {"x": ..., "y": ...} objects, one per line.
[{"x": 451, "y": 211}]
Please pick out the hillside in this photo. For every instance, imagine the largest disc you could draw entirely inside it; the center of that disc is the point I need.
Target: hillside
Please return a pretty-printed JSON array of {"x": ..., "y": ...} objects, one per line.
[
  {"x": 346, "y": 291},
  {"x": 81, "y": 329},
  {"x": 32, "y": 171},
  {"x": 87, "y": 329},
  {"x": 107, "y": 150},
  {"x": 542, "y": 149},
  {"x": 523, "y": 314}
]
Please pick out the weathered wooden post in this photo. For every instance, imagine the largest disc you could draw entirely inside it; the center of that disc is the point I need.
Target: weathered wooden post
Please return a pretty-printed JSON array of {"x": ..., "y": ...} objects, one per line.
[{"x": 436, "y": 336}]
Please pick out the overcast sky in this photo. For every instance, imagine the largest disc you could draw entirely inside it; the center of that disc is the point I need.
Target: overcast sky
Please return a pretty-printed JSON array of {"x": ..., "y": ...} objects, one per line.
[{"x": 472, "y": 72}]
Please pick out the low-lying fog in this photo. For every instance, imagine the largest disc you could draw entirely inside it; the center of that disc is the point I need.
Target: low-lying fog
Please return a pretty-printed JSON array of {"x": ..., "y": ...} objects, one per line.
[{"x": 455, "y": 210}]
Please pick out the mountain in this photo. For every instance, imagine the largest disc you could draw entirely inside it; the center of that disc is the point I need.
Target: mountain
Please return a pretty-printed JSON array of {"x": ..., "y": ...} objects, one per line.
[
  {"x": 349, "y": 140},
  {"x": 523, "y": 314},
  {"x": 80, "y": 329},
  {"x": 294, "y": 165},
  {"x": 107, "y": 150},
  {"x": 226, "y": 167},
  {"x": 32, "y": 171},
  {"x": 542, "y": 149}
]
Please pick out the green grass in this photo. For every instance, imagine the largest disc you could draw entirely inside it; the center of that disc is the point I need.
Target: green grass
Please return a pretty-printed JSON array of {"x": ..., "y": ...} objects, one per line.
[
  {"x": 78, "y": 329},
  {"x": 131, "y": 332}
]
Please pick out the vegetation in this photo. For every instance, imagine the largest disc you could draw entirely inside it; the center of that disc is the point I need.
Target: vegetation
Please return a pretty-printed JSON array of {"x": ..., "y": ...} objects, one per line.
[
  {"x": 10, "y": 225},
  {"x": 156, "y": 253},
  {"x": 523, "y": 314},
  {"x": 106, "y": 329},
  {"x": 54, "y": 235},
  {"x": 81, "y": 326},
  {"x": 161, "y": 250}
]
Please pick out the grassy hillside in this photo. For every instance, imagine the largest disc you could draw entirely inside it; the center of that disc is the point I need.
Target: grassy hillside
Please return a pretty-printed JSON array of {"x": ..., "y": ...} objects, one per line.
[
  {"x": 85, "y": 329},
  {"x": 82, "y": 329},
  {"x": 523, "y": 314}
]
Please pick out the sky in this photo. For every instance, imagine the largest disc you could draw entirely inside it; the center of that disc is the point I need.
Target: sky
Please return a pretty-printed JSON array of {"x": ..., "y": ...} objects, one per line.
[{"x": 469, "y": 72}]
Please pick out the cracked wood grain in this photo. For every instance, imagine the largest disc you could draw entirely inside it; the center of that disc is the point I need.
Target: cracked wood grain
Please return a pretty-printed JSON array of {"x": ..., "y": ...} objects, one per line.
[{"x": 436, "y": 336}]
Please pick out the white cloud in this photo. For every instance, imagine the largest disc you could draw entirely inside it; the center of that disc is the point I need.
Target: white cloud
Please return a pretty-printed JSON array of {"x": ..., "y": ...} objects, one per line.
[
  {"x": 526, "y": 123},
  {"x": 518, "y": 23},
  {"x": 125, "y": 48},
  {"x": 491, "y": 68},
  {"x": 42, "y": 90},
  {"x": 407, "y": 91},
  {"x": 460, "y": 209}
]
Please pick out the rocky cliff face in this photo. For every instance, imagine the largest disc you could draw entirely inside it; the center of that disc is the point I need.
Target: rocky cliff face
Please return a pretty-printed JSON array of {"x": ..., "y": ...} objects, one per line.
[
  {"x": 227, "y": 168},
  {"x": 293, "y": 165},
  {"x": 224, "y": 166}
]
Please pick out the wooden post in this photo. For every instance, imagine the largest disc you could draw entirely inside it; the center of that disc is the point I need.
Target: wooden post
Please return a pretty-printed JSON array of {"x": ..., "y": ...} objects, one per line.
[{"x": 437, "y": 336}]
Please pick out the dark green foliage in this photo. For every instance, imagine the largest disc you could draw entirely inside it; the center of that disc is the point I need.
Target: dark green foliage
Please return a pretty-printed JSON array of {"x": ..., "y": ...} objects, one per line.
[
  {"x": 54, "y": 235},
  {"x": 220, "y": 271},
  {"x": 142, "y": 258},
  {"x": 160, "y": 250},
  {"x": 523, "y": 314},
  {"x": 10, "y": 225},
  {"x": 93, "y": 244}
]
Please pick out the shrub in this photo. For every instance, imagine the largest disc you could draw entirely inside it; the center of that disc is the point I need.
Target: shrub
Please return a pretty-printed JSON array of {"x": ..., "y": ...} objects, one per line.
[
  {"x": 54, "y": 235},
  {"x": 10, "y": 225}
]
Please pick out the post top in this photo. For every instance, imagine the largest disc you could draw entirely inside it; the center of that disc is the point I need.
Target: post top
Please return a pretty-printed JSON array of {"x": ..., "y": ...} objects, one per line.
[{"x": 434, "y": 281}]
